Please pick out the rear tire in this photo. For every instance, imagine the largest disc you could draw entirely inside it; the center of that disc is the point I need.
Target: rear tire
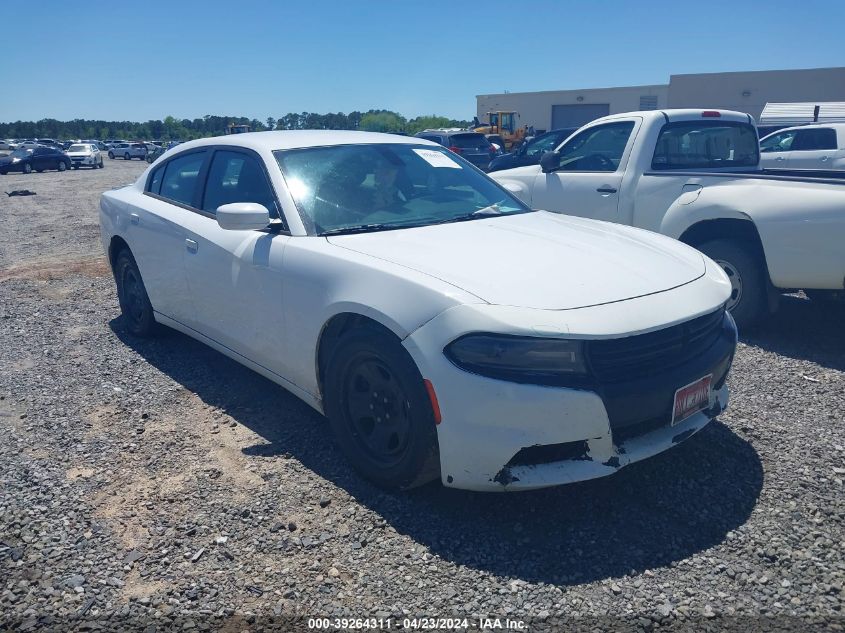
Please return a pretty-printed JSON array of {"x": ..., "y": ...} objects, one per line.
[
  {"x": 61, "y": 166},
  {"x": 744, "y": 268},
  {"x": 132, "y": 295},
  {"x": 27, "y": 168},
  {"x": 111, "y": 155},
  {"x": 380, "y": 412},
  {"x": 126, "y": 156}
]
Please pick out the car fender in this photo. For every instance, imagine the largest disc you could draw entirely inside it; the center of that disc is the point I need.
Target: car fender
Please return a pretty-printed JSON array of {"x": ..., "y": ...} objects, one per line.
[
  {"x": 323, "y": 281},
  {"x": 800, "y": 226}
]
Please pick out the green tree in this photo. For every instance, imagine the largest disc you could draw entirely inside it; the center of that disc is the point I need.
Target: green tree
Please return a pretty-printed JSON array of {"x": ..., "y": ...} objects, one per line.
[{"x": 382, "y": 121}]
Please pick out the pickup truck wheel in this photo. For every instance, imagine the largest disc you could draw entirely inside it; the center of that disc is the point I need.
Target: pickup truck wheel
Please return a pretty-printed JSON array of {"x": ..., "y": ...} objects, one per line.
[
  {"x": 379, "y": 410},
  {"x": 745, "y": 271},
  {"x": 132, "y": 296}
]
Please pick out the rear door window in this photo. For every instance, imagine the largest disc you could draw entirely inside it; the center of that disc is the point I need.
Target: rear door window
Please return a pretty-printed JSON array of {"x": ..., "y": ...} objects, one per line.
[
  {"x": 706, "y": 144},
  {"x": 815, "y": 139},
  {"x": 181, "y": 178},
  {"x": 469, "y": 141}
]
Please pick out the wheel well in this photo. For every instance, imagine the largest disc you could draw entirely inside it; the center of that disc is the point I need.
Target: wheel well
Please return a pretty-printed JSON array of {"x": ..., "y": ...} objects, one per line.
[
  {"x": 334, "y": 330},
  {"x": 116, "y": 245},
  {"x": 727, "y": 228},
  {"x": 732, "y": 229}
]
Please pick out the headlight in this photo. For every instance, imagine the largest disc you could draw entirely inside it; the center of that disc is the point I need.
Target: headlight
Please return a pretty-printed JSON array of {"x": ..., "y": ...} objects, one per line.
[{"x": 517, "y": 358}]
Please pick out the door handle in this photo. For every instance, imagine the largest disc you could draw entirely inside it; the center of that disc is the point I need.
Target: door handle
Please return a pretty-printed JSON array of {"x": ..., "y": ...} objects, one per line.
[
  {"x": 606, "y": 189},
  {"x": 780, "y": 158},
  {"x": 134, "y": 219},
  {"x": 824, "y": 158},
  {"x": 191, "y": 245}
]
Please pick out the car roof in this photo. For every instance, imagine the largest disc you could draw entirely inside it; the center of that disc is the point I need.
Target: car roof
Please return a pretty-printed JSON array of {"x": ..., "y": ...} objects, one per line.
[
  {"x": 294, "y": 139},
  {"x": 809, "y": 126}
]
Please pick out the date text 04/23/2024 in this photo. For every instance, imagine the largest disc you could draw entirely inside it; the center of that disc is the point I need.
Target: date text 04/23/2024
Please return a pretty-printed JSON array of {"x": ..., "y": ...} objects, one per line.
[{"x": 417, "y": 624}]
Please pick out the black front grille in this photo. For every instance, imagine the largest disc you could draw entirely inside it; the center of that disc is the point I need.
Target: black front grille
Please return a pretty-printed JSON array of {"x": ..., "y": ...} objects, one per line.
[{"x": 620, "y": 359}]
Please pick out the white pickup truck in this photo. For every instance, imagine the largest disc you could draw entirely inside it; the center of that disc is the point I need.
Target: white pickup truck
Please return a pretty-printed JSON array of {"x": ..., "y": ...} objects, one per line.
[{"x": 694, "y": 175}]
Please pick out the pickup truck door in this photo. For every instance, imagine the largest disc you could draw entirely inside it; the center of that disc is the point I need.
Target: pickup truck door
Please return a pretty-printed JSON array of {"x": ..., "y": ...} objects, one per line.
[
  {"x": 588, "y": 181},
  {"x": 813, "y": 148},
  {"x": 235, "y": 276}
]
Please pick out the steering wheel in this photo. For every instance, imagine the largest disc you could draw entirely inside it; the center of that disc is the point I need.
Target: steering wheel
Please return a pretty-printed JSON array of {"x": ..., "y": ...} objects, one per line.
[{"x": 599, "y": 162}]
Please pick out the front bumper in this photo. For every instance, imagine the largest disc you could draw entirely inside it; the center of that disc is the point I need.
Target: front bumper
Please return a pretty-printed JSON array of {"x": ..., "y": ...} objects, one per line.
[
  {"x": 497, "y": 435},
  {"x": 84, "y": 160}
]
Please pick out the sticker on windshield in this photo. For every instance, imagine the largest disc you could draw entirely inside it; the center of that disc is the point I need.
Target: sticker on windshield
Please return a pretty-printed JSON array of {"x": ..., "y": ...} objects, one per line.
[{"x": 436, "y": 159}]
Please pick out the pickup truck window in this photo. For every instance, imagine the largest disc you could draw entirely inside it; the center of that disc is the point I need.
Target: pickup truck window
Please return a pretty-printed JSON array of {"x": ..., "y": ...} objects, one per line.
[
  {"x": 598, "y": 148},
  {"x": 706, "y": 145},
  {"x": 815, "y": 138},
  {"x": 778, "y": 143}
]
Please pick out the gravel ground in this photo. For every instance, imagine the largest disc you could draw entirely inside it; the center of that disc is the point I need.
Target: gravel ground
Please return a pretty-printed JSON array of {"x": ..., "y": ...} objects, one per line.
[{"x": 158, "y": 485}]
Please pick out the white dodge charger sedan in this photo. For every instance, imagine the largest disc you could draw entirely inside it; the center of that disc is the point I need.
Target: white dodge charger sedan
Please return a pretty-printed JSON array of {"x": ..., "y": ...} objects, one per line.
[{"x": 444, "y": 328}]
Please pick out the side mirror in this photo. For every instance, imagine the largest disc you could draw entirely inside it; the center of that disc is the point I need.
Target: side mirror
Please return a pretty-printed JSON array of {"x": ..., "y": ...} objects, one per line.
[
  {"x": 549, "y": 162},
  {"x": 243, "y": 216}
]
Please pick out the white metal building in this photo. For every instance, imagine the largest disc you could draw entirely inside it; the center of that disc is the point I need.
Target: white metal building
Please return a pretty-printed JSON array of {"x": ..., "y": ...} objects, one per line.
[{"x": 743, "y": 91}]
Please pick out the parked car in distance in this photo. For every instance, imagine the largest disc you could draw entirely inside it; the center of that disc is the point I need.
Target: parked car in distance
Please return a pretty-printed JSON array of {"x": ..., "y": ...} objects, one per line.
[
  {"x": 128, "y": 151},
  {"x": 28, "y": 144},
  {"x": 530, "y": 152},
  {"x": 38, "y": 159},
  {"x": 443, "y": 327},
  {"x": 85, "y": 155},
  {"x": 7, "y": 144},
  {"x": 694, "y": 175},
  {"x": 152, "y": 155},
  {"x": 820, "y": 146},
  {"x": 471, "y": 146}
]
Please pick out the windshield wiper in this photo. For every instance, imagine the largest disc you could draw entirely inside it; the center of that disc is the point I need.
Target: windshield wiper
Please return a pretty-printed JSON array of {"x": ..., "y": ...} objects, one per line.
[
  {"x": 362, "y": 228},
  {"x": 485, "y": 212}
]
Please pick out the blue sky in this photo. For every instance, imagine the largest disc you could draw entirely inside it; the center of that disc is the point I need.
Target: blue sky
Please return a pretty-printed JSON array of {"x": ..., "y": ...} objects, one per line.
[{"x": 101, "y": 59}]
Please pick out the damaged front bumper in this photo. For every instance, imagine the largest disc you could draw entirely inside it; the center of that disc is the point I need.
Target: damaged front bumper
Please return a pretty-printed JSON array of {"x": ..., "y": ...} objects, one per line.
[{"x": 497, "y": 435}]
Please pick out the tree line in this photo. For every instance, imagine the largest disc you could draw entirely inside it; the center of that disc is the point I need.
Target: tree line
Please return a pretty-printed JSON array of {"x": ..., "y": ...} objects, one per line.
[{"x": 172, "y": 128}]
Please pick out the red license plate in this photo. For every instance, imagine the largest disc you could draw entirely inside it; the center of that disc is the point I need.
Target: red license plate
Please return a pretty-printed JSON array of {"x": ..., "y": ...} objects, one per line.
[{"x": 691, "y": 399}]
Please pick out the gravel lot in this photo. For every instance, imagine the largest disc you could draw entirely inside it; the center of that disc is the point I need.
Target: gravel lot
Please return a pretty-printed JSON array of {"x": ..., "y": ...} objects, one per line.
[{"x": 158, "y": 485}]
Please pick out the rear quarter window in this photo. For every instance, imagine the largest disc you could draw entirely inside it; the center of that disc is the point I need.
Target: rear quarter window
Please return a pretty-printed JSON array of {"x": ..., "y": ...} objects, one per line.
[
  {"x": 706, "y": 145},
  {"x": 469, "y": 141}
]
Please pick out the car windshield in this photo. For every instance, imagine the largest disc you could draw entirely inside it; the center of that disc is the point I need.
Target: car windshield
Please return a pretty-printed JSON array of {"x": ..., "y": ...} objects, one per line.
[
  {"x": 79, "y": 148},
  {"x": 351, "y": 188},
  {"x": 21, "y": 153}
]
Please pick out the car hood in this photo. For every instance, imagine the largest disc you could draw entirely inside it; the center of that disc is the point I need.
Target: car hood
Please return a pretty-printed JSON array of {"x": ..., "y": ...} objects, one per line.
[{"x": 537, "y": 260}]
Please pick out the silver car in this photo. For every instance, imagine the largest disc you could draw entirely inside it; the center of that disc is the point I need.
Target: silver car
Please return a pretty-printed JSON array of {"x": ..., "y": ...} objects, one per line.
[{"x": 128, "y": 151}]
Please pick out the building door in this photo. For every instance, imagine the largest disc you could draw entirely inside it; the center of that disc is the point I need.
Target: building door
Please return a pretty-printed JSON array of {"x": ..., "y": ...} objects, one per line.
[{"x": 576, "y": 115}]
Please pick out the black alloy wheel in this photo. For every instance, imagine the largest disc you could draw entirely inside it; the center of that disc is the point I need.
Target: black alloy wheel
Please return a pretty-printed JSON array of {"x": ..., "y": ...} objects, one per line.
[
  {"x": 380, "y": 411},
  {"x": 132, "y": 296}
]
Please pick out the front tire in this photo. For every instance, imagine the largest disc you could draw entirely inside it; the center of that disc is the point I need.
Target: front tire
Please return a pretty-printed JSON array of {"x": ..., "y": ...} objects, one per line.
[
  {"x": 126, "y": 156},
  {"x": 27, "y": 168},
  {"x": 111, "y": 155},
  {"x": 132, "y": 295},
  {"x": 380, "y": 412},
  {"x": 744, "y": 267}
]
